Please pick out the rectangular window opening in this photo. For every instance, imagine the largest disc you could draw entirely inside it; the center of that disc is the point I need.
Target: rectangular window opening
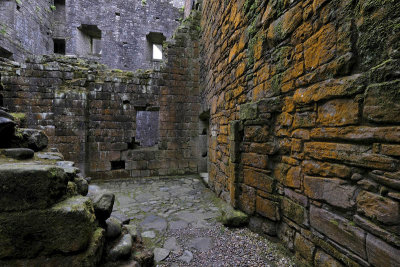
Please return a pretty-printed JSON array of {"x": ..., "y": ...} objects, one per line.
[
  {"x": 157, "y": 52},
  {"x": 118, "y": 165},
  {"x": 59, "y": 46}
]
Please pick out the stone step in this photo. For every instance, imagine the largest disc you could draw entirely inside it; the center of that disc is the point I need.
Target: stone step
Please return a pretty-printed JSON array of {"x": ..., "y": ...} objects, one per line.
[
  {"x": 67, "y": 227},
  {"x": 30, "y": 186}
]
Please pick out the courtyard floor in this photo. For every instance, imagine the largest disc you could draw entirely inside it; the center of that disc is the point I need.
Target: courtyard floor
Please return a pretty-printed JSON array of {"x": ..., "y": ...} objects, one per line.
[{"x": 177, "y": 217}]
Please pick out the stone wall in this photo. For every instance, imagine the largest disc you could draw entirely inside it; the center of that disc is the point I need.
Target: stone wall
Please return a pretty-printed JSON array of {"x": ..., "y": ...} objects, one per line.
[
  {"x": 90, "y": 112},
  {"x": 305, "y": 129},
  {"x": 25, "y": 28},
  {"x": 124, "y": 26}
]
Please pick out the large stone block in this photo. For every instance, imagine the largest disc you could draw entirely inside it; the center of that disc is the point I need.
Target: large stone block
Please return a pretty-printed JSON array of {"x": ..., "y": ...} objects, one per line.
[
  {"x": 304, "y": 247},
  {"x": 377, "y": 207},
  {"x": 293, "y": 211},
  {"x": 339, "y": 230},
  {"x": 357, "y": 155},
  {"x": 255, "y": 160},
  {"x": 258, "y": 180},
  {"x": 28, "y": 186},
  {"x": 67, "y": 227},
  {"x": 381, "y": 253},
  {"x": 338, "y": 112},
  {"x": 317, "y": 168},
  {"x": 382, "y": 102},
  {"x": 267, "y": 208},
  {"x": 334, "y": 191},
  {"x": 324, "y": 260}
]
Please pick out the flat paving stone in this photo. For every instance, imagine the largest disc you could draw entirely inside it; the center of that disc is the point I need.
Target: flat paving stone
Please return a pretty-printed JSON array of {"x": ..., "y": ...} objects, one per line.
[{"x": 180, "y": 215}]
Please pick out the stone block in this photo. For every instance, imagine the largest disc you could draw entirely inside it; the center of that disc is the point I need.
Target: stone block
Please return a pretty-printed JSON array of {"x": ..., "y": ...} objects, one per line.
[
  {"x": 381, "y": 102},
  {"x": 327, "y": 169},
  {"x": 267, "y": 208},
  {"x": 255, "y": 160},
  {"x": 248, "y": 111},
  {"x": 304, "y": 247},
  {"x": 247, "y": 199},
  {"x": 304, "y": 120},
  {"x": 30, "y": 186},
  {"x": 381, "y": 253},
  {"x": 322, "y": 259},
  {"x": 339, "y": 230},
  {"x": 338, "y": 112},
  {"x": 293, "y": 211},
  {"x": 334, "y": 191},
  {"x": 377, "y": 207},
  {"x": 258, "y": 180},
  {"x": 357, "y": 155},
  {"x": 65, "y": 228}
]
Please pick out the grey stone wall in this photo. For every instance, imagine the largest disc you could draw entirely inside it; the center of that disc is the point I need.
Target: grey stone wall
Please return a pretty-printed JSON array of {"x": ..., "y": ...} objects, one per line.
[
  {"x": 124, "y": 26},
  {"x": 25, "y": 27}
]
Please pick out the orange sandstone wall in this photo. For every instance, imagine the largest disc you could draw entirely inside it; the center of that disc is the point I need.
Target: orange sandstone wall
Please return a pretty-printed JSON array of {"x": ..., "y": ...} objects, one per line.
[{"x": 305, "y": 122}]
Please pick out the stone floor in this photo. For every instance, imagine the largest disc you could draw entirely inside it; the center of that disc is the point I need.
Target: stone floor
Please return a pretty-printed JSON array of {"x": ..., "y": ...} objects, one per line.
[{"x": 177, "y": 217}]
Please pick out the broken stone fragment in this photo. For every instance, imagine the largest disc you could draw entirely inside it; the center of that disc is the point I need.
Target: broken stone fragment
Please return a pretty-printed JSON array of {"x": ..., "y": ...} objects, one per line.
[
  {"x": 19, "y": 153},
  {"x": 30, "y": 186},
  {"x": 67, "y": 227},
  {"x": 34, "y": 139},
  {"x": 53, "y": 156},
  {"x": 82, "y": 186},
  {"x": 121, "y": 249},
  {"x": 160, "y": 254},
  {"x": 103, "y": 202}
]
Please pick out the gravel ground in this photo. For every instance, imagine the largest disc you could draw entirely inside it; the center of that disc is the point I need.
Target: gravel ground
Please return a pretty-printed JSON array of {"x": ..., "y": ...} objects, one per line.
[{"x": 177, "y": 217}]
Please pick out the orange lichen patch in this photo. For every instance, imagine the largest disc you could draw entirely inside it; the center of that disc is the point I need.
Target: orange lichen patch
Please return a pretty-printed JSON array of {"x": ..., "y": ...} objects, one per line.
[{"x": 320, "y": 48}]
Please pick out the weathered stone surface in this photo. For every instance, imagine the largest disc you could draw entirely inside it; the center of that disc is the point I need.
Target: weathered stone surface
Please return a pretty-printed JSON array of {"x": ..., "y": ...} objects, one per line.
[
  {"x": 34, "y": 139},
  {"x": 350, "y": 154},
  {"x": 89, "y": 258},
  {"x": 377, "y": 207},
  {"x": 317, "y": 168},
  {"x": 338, "y": 112},
  {"x": 267, "y": 208},
  {"x": 113, "y": 228},
  {"x": 380, "y": 253},
  {"x": 381, "y": 102},
  {"x": 121, "y": 249},
  {"x": 338, "y": 229},
  {"x": 7, "y": 128},
  {"x": 324, "y": 260},
  {"x": 304, "y": 247},
  {"x": 293, "y": 211},
  {"x": 376, "y": 230},
  {"x": 103, "y": 202},
  {"x": 82, "y": 186},
  {"x": 18, "y": 153},
  {"x": 259, "y": 180},
  {"x": 233, "y": 218},
  {"x": 255, "y": 160},
  {"x": 67, "y": 228},
  {"x": 334, "y": 191},
  {"x": 160, "y": 254},
  {"x": 27, "y": 186}
]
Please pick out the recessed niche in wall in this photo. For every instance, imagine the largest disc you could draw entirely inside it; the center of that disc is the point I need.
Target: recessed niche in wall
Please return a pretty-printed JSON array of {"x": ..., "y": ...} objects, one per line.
[
  {"x": 118, "y": 165},
  {"x": 59, "y": 46},
  {"x": 154, "y": 44},
  {"x": 5, "y": 53},
  {"x": 89, "y": 40},
  {"x": 147, "y": 128}
]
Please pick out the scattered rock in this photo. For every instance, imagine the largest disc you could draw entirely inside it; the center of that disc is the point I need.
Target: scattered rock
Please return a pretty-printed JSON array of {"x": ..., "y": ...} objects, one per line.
[
  {"x": 121, "y": 249},
  {"x": 82, "y": 186},
  {"x": 130, "y": 229},
  {"x": 34, "y": 139},
  {"x": 113, "y": 228},
  {"x": 186, "y": 257},
  {"x": 19, "y": 153},
  {"x": 149, "y": 234},
  {"x": 7, "y": 128},
  {"x": 172, "y": 244},
  {"x": 120, "y": 216},
  {"x": 201, "y": 244},
  {"x": 160, "y": 254},
  {"x": 103, "y": 202}
]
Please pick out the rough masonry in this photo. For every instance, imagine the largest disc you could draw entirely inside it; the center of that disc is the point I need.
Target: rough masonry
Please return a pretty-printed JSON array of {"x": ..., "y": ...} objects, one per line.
[{"x": 303, "y": 99}]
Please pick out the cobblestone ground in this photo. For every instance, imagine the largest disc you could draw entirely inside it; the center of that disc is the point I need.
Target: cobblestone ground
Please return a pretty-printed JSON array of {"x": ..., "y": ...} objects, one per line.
[{"x": 177, "y": 217}]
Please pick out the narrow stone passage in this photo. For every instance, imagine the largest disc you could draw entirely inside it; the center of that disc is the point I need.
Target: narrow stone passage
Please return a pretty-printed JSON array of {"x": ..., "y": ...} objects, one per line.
[{"x": 178, "y": 219}]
